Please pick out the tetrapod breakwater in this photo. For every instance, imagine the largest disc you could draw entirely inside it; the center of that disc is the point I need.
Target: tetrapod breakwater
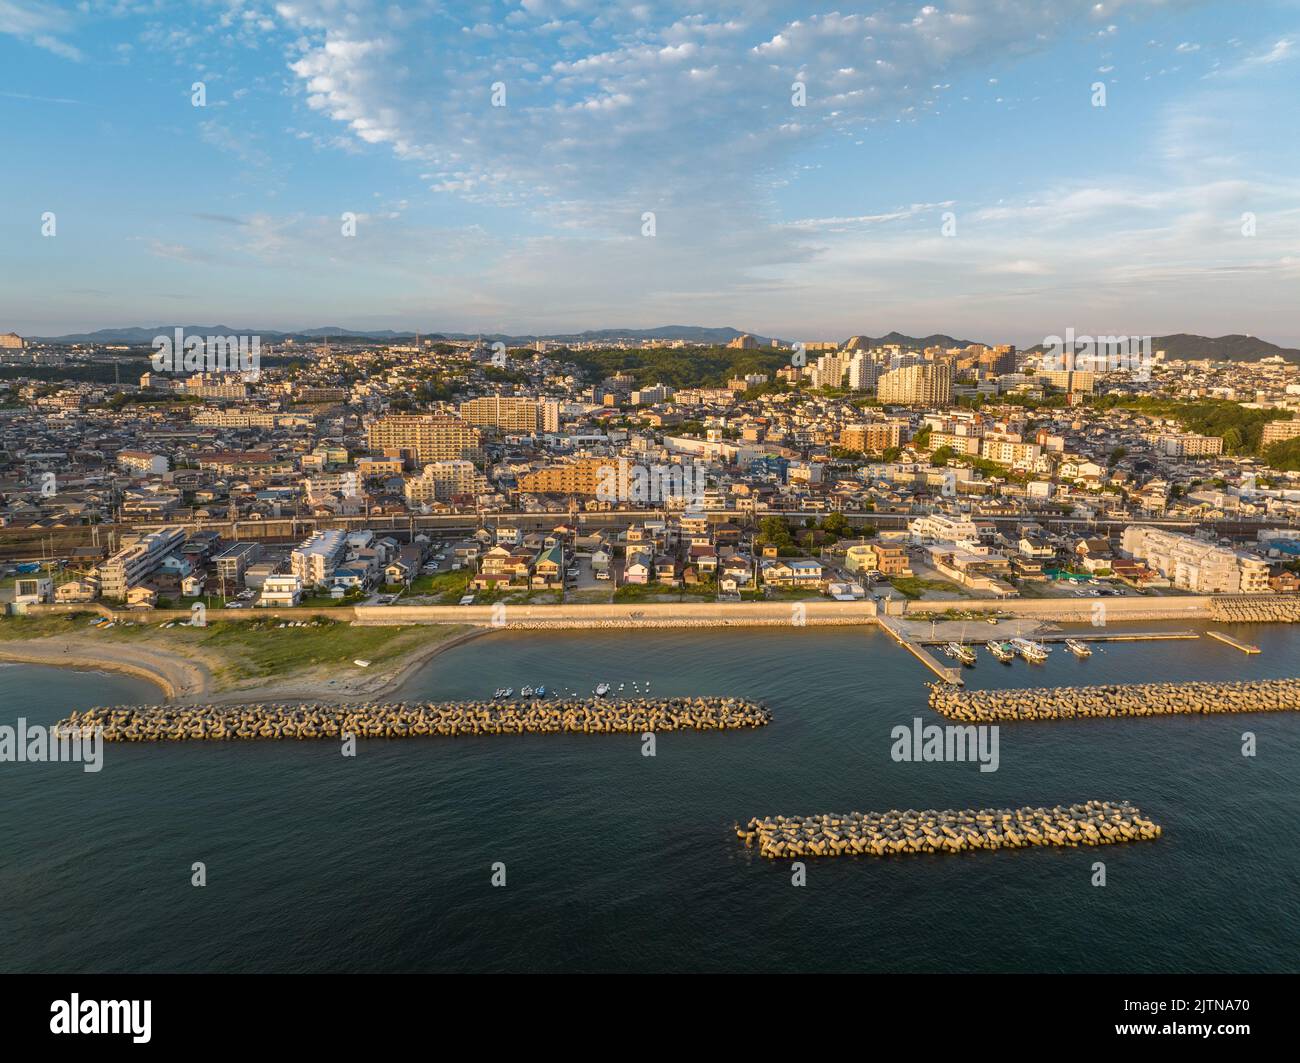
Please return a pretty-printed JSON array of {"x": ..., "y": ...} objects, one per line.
[
  {"x": 1132, "y": 699},
  {"x": 183, "y": 723},
  {"x": 896, "y": 833}
]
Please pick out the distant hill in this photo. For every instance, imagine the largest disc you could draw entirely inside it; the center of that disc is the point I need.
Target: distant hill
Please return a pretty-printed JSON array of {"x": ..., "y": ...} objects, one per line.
[
  {"x": 1183, "y": 346},
  {"x": 1235, "y": 348},
  {"x": 145, "y": 335},
  {"x": 898, "y": 339}
]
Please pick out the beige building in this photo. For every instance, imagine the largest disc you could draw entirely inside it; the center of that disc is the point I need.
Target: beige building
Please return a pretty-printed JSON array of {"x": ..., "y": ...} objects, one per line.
[
  {"x": 11, "y": 341},
  {"x": 426, "y": 437},
  {"x": 927, "y": 384},
  {"x": 132, "y": 564},
  {"x": 443, "y": 479},
  {"x": 872, "y": 437},
  {"x": 512, "y": 413},
  {"x": 1279, "y": 432},
  {"x": 1195, "y": 565}
]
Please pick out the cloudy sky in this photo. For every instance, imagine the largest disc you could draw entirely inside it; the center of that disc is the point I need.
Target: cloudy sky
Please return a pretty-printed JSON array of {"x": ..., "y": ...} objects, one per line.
[{"x": 813, "y": 171}]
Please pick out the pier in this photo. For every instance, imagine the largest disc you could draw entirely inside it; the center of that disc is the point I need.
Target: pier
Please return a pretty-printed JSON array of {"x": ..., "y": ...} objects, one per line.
[
  {"x": 917, "y": 650},
  {"x": 897, "y": 833},
  {"x": 1134, "y": 699},
  {"x": 172, "y": 723},
  {"x": 1236, "y": 644}
]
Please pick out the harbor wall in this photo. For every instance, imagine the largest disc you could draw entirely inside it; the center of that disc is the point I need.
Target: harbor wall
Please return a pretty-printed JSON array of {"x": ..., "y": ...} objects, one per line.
[
  {"x": 1134, "y": 699},
  {"x": 183, "y": 723},
  {"x": 897, "y": 833}
]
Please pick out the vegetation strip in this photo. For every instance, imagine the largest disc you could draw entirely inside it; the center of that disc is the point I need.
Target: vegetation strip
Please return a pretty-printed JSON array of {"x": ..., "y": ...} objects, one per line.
[
  {"x": 178, "y": 723},
  {"x": 898, "y": 833},
  {"x": 1134, "y": 699}
]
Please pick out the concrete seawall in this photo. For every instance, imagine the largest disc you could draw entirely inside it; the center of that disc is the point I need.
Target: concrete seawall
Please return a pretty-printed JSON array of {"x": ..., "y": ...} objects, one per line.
[
  {"x": 172, "y": 723},
  {"x": 897, "y": 833},
  {"x": 1136, "y": 699}
]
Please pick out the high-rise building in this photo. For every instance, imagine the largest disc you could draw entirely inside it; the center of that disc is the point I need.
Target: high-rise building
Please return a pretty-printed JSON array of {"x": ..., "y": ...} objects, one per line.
[
  {"x": 927, "y": 384},
  {"x": 550, "y": 415},
  {"x": 426, "y": 437},
  {"x": 863, "y": 371},
  {"x": 512, "y": 413}
]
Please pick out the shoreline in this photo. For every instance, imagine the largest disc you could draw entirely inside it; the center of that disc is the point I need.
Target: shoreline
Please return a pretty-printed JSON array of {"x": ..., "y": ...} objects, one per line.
[{"x": 185, "y": 680}]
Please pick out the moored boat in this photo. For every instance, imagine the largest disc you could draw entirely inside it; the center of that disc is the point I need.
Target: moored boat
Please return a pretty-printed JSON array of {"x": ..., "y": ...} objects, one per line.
[
  {"x": 1079, "y": 649},
  {"x": 1002, "y": 652},
  {"x": 1034, "y": 652}
]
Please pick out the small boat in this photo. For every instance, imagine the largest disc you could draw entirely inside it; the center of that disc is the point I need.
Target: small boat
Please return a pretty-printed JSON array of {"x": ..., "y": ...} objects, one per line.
[
  {"x": 500, "y": 692},
  {"x": 962, "y": 653},
  {"x": 525, "y": 692},
  {"x": 1001, "y": 651},
  {"x": 1033, "y": 652},
  {"x": 361, "y": 662},
  {"x": 508, "y": 692},
  {"x": 1078, "y": 648},
  {"x": 602, "y": 690},
  {"x": 539, "y": 692}
]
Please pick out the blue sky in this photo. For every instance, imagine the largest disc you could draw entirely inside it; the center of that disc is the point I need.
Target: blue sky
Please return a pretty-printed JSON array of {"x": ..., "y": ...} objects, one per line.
[{"x": 806, "y": 222}]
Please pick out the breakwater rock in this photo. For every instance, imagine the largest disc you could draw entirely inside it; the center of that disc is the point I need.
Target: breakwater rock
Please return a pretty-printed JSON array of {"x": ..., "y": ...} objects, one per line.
[
  {"x": 181, "y": 723},
  {"x": 1256, "y": 609},
  {"x": 897, "y": 833},
  {"x": 1133, "y": 699}
]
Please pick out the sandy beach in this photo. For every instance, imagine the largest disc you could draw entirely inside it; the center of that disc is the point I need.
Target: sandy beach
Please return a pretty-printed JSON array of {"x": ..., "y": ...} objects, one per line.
[{"x": 193, "y": 677}]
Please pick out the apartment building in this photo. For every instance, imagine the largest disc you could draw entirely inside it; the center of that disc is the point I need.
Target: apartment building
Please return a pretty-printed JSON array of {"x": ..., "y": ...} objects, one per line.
[
  {"x": 130, "y": 566},
  {"x": 1015, "y": 453},
  {"x": 581, "y": 477},
  {"x": 233, "y": 562},
  {"x": 1279, "y": 432},
  {"x": 1189, "y": 445},
  {"x": 927, "y": 384},
  {"x": 315, "y": 560},
  {"x": 1195, "y": 565},
  {"x": 426, "y": 437},
  {"x": 871, "y": 438},
  {"x": 941, "y": 528},
  {"x": 511, "y": 413},
  {"x": 142, "y": 462},
  {"x": 442, "y": 480}
]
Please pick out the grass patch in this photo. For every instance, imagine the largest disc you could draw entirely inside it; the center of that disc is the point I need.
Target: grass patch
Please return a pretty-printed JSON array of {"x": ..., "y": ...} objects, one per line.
[{"x": 914, "y": 586}]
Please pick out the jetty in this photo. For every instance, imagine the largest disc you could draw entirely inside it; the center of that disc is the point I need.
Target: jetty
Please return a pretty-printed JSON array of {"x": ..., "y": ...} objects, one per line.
[
  {"x": 1119, "y": 636},
  {"x": 916, "y": 649},
  {"x": 1132, "y": 699},
  {"x": 1236, "y": 644},
  {"x": 182, "y": 723},
  {"x": 896, "y": 833}
]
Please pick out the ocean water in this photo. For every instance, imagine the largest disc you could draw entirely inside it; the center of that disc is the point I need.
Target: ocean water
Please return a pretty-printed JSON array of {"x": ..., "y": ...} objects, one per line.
[{"x": 615, "y": 861}]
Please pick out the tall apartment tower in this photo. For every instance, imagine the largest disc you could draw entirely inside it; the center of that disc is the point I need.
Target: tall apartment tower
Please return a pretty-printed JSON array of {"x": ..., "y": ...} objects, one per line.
[{"x": 927, "y": 384}]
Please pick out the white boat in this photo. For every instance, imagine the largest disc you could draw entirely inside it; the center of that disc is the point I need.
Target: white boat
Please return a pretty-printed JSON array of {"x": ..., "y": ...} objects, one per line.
[
  {"x": 525, "y": 692},
  {"x": 1079, "y": 649},
  {"x": 962, "y": 653},
  {"x": 602, "y": 690},
  {"x": 1001, "y": 651},
  {"x": 361, "y": 663},
  {"x": 1034, "y": 652}
]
